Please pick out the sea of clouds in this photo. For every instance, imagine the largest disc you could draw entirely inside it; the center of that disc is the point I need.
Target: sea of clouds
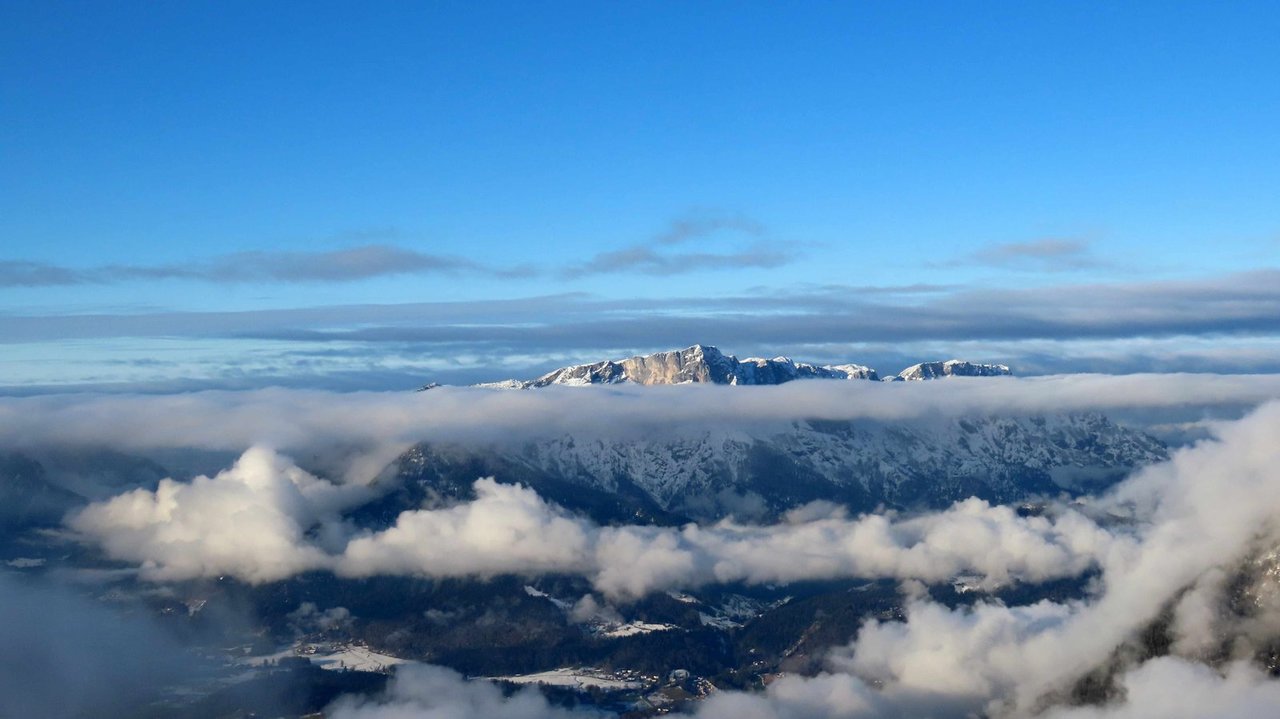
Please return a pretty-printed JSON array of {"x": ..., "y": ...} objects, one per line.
[{"x": 1188, "y": 524}]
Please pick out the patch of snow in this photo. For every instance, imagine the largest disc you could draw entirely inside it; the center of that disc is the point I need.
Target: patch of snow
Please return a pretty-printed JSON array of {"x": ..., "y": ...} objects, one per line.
[
  {"x": 335, "y": 657},
  {"x": 718, "y": 622},
  {"x": 631, "y": 629},
  {"x": 503, "y": 384},
  {"x": 579, "y": 678},
  {"x": 358, "y": 658}
]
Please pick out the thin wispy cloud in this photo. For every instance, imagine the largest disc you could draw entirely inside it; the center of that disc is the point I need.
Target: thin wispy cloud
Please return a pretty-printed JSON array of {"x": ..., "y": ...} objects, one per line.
[
  {"x": 750, "y": 249},
  {"x": 20, "y": 273},
  {"x": 1110, "y": 327},
  {"x": 373, "y": 260},
  {"x": 1234, "y": 304},
  {"x": 355, "y": 263},
  {"x": 649, "y": 261},
  {"x": 700, "y": 225},
  {"x": 1049, "y": 254},
  {"x": 344, "y": 265}
]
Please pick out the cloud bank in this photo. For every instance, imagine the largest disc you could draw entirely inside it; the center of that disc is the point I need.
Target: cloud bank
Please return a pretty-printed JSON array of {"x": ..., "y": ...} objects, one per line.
[
  {"x": 1221, "y": 323},
  {"x": 249, "y": 521},
  {"x": 312, "y": 420},
  {"x": 657, "y": 257},
  {"x": 1232, "y": 304},
  {"x": 1049, "y": 254},
  {"x": 344, "y": 265},
  {"x": 1201, "y": 514},
  {"x": 362, "y": 262},
  {"x": 264, "y": 519},
  {"x": 508, "y": 529},
  {"x": 1204, "y": 511},
  {"x": 1225, "y": 323},
  {"x": 1188, "y": 525}
]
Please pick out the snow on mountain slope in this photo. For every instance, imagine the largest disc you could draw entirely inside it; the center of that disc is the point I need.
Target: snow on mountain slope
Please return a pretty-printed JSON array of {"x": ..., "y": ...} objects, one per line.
[
  {"x": 704, "y": 363},
  {"x": 699, "y": 363},
  {"x": 758, "y": 472},
  {"x": 950, "y": 368}
]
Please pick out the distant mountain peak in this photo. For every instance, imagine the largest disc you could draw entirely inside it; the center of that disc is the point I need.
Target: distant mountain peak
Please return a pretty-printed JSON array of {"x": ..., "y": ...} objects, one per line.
[
  {"x": 701, "y": 363},
  {"x": 950, "y": 368},
  {"x": 695, "y": 364}
]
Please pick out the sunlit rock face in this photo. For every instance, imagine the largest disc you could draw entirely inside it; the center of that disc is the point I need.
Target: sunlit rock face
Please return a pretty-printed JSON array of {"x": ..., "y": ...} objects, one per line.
[
  {"x": 950, "y": 368},
  {"x": 699, "y": 363},
  {"x": 706, "y": 364}
]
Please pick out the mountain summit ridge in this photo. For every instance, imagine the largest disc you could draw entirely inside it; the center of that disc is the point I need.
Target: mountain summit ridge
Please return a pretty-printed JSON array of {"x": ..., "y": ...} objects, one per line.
[
  {"x": 707, "y": 364},
  {"x": 950, "y": 368}
]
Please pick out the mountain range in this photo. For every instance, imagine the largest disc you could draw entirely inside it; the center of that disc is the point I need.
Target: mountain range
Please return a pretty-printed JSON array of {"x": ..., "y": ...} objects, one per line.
[
  {"x": 757, "y": 473},
  {"x": 704, "y": 363},
  {"x": 666, "y": 644}
]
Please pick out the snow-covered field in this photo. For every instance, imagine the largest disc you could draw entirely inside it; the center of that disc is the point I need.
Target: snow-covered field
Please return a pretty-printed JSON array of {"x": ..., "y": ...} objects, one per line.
[
  {"x": 335, "y": 657},
  {"x": 631, "y": 629},
  {"x": 583, "y": 678}
]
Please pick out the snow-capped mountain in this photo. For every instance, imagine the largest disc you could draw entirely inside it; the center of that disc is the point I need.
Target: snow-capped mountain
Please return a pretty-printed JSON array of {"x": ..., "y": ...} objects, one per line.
[
  {"x": 709, "y": 472},
  {"x": 699, "y": 363},
  {"x": 950, "y": 368},
  {"x": 703, "y": 363},
  {"x": 760, "y": 472}
]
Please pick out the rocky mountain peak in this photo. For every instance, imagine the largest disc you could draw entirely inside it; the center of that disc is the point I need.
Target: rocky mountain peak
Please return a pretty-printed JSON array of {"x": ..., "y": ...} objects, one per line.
[
  {"x": 950, "y": 368},
  {"x": 705, "y": 363}
]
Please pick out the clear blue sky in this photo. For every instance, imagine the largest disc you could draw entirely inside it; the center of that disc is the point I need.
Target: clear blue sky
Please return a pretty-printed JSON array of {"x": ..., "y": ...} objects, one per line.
[{"x": 394, "y": 153}]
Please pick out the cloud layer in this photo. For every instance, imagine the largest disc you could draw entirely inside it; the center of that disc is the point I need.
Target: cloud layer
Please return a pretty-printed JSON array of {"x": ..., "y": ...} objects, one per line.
[
  {"x": 1223, "y": 305},
  {"x": 248, "y": 521},
  {"x": 1200, "y": 514},
  {"x": 1223, "y": 323},
  {"x": 1188, "y": 524},
  {"x": 1226, "y": 323},
  {"x": 1204, "y": 511},
  {"x": 1049, "y": 254},
  {"x": 362, "y": 262},
  {"x": 264, "y": 519},
  {"x": 507, "y": 529},
  {"x": 346, "y": 265},
  {"x": 315, "y": 421},
  {"x": 657, "y": 257}
]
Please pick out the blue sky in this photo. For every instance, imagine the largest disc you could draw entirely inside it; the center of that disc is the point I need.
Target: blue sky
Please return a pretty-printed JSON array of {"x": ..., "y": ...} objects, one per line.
[{"x": 208, "y": 194}]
